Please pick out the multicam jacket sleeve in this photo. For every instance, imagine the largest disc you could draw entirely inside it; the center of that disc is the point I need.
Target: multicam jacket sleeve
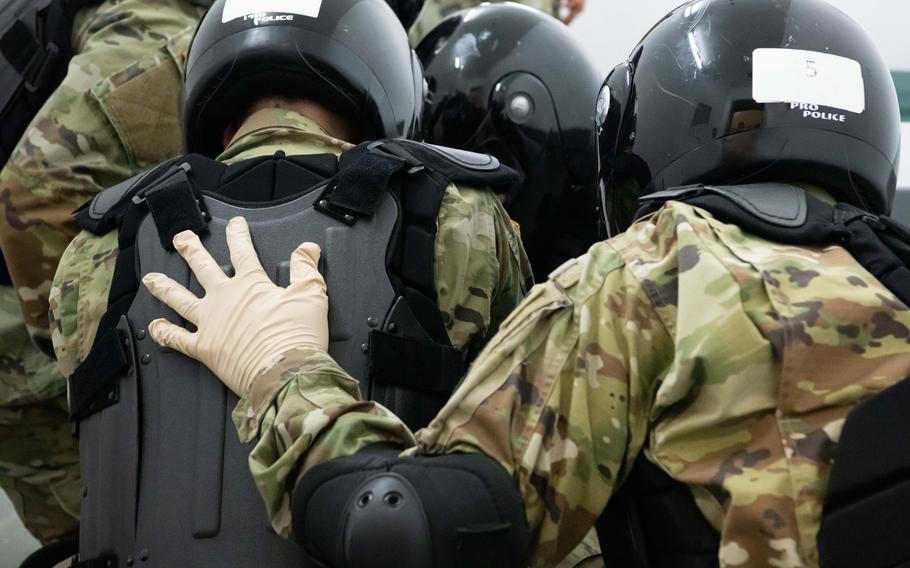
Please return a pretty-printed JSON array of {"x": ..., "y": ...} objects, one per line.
[{"x": 729, "y": 361}]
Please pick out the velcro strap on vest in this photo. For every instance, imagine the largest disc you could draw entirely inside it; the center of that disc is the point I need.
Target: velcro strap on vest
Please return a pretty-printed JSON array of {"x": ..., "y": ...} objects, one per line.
[
  {"x": 408, "y": 363},
  {"x": 356, "y": 189},
  {"x": 94, "y": 384},
  {"x": 175, "y": 206}
]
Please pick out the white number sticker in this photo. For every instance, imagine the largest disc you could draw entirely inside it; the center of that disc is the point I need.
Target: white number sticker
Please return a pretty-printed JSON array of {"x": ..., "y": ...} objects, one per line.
[
  {"x": 808, "y": 77},
  {"x": 234, "y": 9}
]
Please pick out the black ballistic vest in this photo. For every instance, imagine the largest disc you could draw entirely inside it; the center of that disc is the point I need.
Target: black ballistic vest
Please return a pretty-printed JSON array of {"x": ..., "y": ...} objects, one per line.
[
  {"x": 167, "y": 482},
  {"x": 652, "y": 520}
]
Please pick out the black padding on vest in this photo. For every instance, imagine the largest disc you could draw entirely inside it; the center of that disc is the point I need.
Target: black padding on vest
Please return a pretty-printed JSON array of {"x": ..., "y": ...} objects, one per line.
[
  {"x": 774, "y": 203},
  {"x": 36, "y": 48},
  {"x": 478, "y": 171},
  {"x": 426, "y": 310},
  {"x": 408, "y": 363},
  {"x": 865, "y": 520},
  {"x": 94, "y": 384},
  {"x": 652, "y": 521},
  {"x": 175, "y": 206},
  {"x": 124, "y": 282},
  {"x": 347, "y": 511},
  {"x": 271, "y": 178},
  {"x": 419, "y": 251},
  {"x": 361, "y": 179}
]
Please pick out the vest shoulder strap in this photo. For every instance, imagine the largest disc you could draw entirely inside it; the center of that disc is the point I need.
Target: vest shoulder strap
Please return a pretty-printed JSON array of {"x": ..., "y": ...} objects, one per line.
[
  {"x": 774, "y": 203},
  {"x": 452, "y": 165},
  {"x": 99, "y": 215}
]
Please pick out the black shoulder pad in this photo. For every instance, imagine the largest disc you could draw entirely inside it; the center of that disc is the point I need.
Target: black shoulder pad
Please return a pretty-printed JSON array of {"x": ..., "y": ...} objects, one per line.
[
  {"x": 775, "y": 203},
  {"x": 455, "y": 166},
  {"x": 99, "y": 215}
]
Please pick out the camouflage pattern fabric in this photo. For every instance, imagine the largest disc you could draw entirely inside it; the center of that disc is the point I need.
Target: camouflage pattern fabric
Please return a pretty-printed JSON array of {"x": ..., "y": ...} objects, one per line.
[
  {"x": 116, "y": 113},
  {"x": 434, "y": 11},
  {"x": 39, "y": 468},
  {"x": 482, "y": 272},
  {"x": 729, "y": 360}
]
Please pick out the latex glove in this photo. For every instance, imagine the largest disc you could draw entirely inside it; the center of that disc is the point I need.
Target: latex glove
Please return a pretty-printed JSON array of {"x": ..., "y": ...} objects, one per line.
[{"x": 244, "y": 323}]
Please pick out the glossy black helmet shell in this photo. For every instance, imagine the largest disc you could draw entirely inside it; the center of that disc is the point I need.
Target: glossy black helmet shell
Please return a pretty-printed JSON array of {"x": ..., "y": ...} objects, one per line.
[
  {"x": 681, "y": 109},
  {"x": 513, "y": 82},
  {"x": 350, "y": 55}
]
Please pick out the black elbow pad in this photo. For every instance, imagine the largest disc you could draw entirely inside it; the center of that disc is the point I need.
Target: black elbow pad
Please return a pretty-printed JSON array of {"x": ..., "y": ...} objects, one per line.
[{"x": 378, "y": 510}]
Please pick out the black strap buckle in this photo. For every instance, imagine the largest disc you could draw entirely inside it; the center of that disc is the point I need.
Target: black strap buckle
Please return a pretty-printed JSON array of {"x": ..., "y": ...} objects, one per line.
[
  {"x": 35, "y": 61},
  {"x": 39, "y": 75},
  {"x": 356, "y": 190},
  {"x": 175, "y": 205}
]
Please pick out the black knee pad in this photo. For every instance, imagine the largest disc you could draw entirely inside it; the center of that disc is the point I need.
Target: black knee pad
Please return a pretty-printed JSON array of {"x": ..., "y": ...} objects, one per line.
[{"x": 377, "y": 510}]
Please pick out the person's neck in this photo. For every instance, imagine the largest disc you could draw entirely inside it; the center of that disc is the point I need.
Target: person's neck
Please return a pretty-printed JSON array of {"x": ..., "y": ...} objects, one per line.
[{"x": 332, "y": 124}]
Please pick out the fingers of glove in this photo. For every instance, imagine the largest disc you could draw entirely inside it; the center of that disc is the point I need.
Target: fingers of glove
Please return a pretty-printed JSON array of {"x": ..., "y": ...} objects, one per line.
[
  {"x": 305, "y": 267},
  {"x": 173, "y": 337},
  {"x": 201, "y": 262},
  {"x": 240, "y": 243},
  {"x": 174, "y": 295}
]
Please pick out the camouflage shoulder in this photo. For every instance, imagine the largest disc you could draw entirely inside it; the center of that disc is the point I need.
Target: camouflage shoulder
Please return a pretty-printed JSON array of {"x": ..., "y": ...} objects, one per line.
[
  {"x": 27, "y": 375},
  {"x": 79, "y": 296},
  {"x": 482, "y": 271}
]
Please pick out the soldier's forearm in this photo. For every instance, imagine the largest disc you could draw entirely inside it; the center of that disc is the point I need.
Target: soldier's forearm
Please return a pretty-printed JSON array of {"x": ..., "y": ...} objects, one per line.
[{"x": 306, "y": 411}]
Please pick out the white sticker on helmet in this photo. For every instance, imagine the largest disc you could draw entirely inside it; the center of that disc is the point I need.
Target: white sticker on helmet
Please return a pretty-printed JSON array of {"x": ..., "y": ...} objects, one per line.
[
  {"x": 807, "y": 77},
  {"x": 234, "y": 9}
]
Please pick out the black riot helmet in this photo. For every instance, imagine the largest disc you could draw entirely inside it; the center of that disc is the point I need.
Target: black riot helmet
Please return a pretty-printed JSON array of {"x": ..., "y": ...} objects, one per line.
[
  {"x": 510, "y": 81},
  {"x": 350, "y": 55},
  {"x": 747, "y": 91}
]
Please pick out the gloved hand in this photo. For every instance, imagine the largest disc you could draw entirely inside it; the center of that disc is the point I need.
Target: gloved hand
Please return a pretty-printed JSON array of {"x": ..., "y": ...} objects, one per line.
[{"x": 245, "y": 323}]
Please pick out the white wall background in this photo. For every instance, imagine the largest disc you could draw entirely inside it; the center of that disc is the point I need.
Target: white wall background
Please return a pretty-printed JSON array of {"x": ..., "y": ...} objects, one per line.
[{"x": 609, "y": 29}]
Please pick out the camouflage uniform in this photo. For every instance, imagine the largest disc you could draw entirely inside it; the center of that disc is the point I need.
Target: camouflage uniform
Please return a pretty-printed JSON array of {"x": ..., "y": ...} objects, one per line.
[
  {"x": 116, "y": 113},
  {"x": 434, "y": 11},
  {"x": 482, "y": 272},
  {"x": 729, "y": 360}
]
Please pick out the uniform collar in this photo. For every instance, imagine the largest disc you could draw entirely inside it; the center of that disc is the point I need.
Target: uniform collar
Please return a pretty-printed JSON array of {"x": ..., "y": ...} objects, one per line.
[
  {"x": 818, "y": 192},
  {"x": 272, "y": 129}
]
